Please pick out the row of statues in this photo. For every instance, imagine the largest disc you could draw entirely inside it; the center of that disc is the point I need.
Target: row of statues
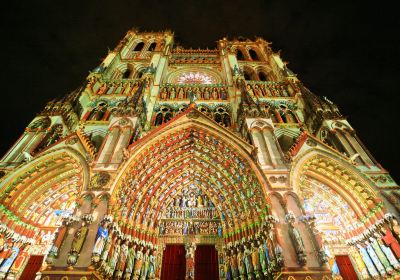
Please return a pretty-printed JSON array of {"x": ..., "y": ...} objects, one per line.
[
  {"x": 261, "y": 90},
  {"x": 197, "y": 213},
  {"x": 116, "y": 257},
  {"x": 118, "y": 87},
  {"x": 191, "y": 200},
  {"x": 190, "y": 227},
  {"x": 198, "y": 93},
  {"x": 249, "y": 259}
]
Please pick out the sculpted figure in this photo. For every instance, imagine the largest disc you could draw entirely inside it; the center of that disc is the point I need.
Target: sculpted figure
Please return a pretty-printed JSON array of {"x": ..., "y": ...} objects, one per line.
[
  {"x": 241, "y": 265},
  {"x": 101, "y": 238},
  {"x": 234, "y": 265},
  {"x": 255, "y": 259},
  {"x": 138, "y": 263},
  {"x": 123, "y": 259},
  {"x": 152, "y": 265},
  {"x": 115, "y": 253},
  {"x": 130, "y": 262},
  {"x": 248, "y": 262},
  {"x": 145, "y": 265}
]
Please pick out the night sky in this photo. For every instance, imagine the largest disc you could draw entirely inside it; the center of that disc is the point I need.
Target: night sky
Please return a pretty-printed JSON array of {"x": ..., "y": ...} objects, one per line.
[{"x": 348, "y": 52}]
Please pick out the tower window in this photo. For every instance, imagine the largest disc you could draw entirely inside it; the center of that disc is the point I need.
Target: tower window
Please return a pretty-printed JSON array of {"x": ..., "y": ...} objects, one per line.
[
  {"x": 152, "y": 47},
  {"x": 253, "y": 55},
  {"x": 138, "y": 47},
  {"x": 262, "y": 76},
  {"x": 140, "y": 74},
  {"x": 239, "y": 55},
  {"x": 126, "y": 74}
]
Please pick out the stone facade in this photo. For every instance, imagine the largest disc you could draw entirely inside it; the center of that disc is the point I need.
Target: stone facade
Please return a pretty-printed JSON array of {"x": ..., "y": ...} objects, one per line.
[{"x": 226, "y": 147}]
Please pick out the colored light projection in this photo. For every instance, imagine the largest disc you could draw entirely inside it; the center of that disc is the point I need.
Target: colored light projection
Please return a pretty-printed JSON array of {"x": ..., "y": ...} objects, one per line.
[
  {"x": 195, "y": 78},
  {"x": 184, "y": 160},
  {"x": 334, "y": 216}
]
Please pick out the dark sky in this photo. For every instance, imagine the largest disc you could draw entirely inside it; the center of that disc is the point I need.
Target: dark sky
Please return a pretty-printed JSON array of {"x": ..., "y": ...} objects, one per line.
[{"x": 348, "y": 52}]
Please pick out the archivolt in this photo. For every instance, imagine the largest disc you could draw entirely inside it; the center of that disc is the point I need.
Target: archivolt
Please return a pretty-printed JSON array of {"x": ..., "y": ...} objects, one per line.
[
  {"x": 190, "y": 155},
  {"x": 39, "y": 187},
  {"x": 343, "y": 178}
]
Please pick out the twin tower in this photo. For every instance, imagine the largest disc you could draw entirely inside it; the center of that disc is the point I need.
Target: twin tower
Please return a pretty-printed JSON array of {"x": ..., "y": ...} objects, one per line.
[{"x": 173, "y": 163}]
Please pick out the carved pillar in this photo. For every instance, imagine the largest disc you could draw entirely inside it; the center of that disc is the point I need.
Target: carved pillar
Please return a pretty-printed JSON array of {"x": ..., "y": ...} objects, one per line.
[
  {"x": 262, "y": 151},
  {"x": 273, "y": 149},
  {"x": 121, "y": 145},
  {"x": 190, "y": 252},
  {"x": 309, "y": 221},
  {"x": 98, "y": 210},
  {"x": 360, "y": 150},
  {"x": 297, "y": 240},
  {"x": 109, "y": 144}
]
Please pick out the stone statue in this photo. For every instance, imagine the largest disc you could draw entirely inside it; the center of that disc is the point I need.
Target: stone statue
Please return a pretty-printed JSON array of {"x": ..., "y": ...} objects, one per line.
[
  {"x": 138, "y": 263},
  {"x": 248, "y": 262},
  {"x": 152, "y": 265},
  {"x": 296, "y": 239},
  {"x": 145, "y": 265},
  {"x": 130, "y": 262}
]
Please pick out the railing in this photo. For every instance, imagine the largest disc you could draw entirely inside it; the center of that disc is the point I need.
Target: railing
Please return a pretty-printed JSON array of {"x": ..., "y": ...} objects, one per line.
[
  {"x": 261, "y": 89},
  {"x": 200, "y": 92}
]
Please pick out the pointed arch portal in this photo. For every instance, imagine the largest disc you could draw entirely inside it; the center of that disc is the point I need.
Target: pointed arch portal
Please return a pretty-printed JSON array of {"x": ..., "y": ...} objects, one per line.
[{"x": 189, "y": 173}]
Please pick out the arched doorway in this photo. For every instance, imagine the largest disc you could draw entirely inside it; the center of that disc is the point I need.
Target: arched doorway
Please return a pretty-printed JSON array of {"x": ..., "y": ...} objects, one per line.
[
  {"x": 193, "y": 187},
  {"x": 345, "y": 210}
]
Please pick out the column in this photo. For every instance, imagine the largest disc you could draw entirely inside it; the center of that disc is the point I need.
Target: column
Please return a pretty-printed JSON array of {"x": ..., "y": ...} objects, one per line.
[
  {"x": 121, "y": 144},
  {"x": 274, "y": 152},
  {"x": 262, "y": 150},
  {"x": 109, "y": 145},
  {"x": 190, "y": 250},
  {"x": 359, "y": 149}
]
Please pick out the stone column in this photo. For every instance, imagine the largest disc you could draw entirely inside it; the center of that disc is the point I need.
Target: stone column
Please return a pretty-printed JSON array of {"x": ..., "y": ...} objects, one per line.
[
  {"x": 108, "y": 147},
  {"x": 309, "y": 221},
  {"x": 190, "y": 253},
  {"x": 262, "y": 150},
  {"x": 121, "y": 144},
  {"x": 274, "y": 152},
  {"x": 360, "y": 150}
]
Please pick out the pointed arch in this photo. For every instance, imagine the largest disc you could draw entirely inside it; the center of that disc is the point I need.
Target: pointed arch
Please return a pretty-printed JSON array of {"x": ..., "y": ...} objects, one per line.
[
  {"x": 342, "y": 179},
  {"x": 190, "y": 150},
  {"x": 45, "y": 186}
]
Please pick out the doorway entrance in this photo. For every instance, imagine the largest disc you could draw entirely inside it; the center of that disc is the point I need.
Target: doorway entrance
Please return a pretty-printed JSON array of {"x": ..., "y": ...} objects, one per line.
[
  {"x": 346, "y": 268},
  {"x": 174, "y": 262},
  {"x": 206, "y": 263},
  {"x": 32, "y": 267}
]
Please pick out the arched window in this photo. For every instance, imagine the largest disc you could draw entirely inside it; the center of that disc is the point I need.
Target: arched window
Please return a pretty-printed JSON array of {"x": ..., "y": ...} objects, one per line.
[
  {"x": 140, "y": 74},
  {"x": 253, "y": 55},
  {"x": 262, "y": 76},
  {"x": 152, "y": 46},
  {"x": 222, "y": 117},
  {"x": 138, "y": 47},
  {"x": 239, "y": 55},
  {"x": 248, "y": 74},
  {"x": 163, "y": 115},
  {"x": 205, "y": 110},
  {"x": 51, "y": 137},
  {"x": 126, "y": 74},
  {"x": 98, "y": 112}
]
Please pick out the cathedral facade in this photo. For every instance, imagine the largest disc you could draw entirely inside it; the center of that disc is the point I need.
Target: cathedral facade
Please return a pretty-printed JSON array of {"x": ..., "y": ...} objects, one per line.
[{"x": 173, "y": 163}]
